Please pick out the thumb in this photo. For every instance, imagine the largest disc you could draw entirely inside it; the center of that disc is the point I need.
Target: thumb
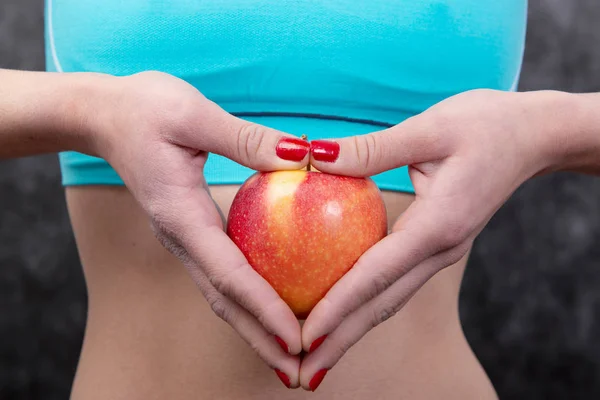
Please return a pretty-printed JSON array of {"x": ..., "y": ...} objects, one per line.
[
  {"x": 252, "y": 145},
  {"x": 408, "y": 143}
]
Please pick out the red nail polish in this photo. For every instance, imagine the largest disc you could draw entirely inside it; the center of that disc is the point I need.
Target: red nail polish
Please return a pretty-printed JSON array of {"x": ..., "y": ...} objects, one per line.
[
  {"x": 317, "y": 379},
  {"x": 325, "y": 150},
  {"x": 283, "y": 344},
  {"x": 283, "y": 377},
  {"x": 315, "y": 345},
  {"x": 292, "y": 149}
]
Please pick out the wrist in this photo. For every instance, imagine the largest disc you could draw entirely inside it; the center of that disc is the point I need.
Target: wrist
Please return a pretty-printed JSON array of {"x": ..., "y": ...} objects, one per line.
[
  {"x": 44, "y": 113},
  {"x": 80, "y": 105},
  {"x": 581, "y": 135},
  {"x": 560, "y": 130}
]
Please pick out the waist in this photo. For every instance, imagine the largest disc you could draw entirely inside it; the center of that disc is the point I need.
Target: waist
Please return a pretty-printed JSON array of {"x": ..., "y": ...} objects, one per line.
[
  {"x": 159, "y": 339},
  {"x": 151, "y": 334}
]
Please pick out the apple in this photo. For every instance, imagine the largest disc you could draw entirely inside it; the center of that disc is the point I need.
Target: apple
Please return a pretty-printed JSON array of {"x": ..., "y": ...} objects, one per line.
[{"x": 303, "y": 230}]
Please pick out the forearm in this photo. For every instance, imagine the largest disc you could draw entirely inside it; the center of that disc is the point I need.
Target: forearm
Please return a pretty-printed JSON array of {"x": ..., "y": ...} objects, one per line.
[
  {"x": 44, "y": 112},
  {"x": 570, "y": 137}
]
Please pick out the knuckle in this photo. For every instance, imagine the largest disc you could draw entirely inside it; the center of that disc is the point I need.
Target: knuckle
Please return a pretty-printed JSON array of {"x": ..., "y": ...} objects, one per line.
[
  {"x": 379, "y": 283},
  {"x": 457, "y": 253},
  {"x": 224, "y": 282},
  {"x": 380, "y": 315},
  {"x": 220, "y": 282},
  {"x": 368, "y": 152},
  {"x": 218, "y": 306},
  {"x": 250, "y": 138}
]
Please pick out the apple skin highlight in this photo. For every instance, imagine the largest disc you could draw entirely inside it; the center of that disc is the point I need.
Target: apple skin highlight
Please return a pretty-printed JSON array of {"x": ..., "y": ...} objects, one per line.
[{"x": 303, "y": 230}]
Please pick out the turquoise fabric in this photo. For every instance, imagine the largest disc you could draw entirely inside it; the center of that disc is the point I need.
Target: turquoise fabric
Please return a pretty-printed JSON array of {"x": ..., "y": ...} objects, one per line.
[{"x": 327, "y": 68}]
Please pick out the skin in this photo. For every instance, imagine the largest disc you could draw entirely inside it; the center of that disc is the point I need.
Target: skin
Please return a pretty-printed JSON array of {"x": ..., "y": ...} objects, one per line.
[
  {"x": 151, "y": 334},
  {"x": 467, "y": 155},
  {"x": 170, "y": 129}
]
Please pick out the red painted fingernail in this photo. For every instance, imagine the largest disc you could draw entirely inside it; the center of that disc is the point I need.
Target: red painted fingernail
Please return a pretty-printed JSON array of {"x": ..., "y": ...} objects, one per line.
[
  {"x": 315, "y": 345},
  {"x": 284, "y": 378},
  {"x": 317, "y": 379},
  {"x": 292, "y": 149},
  {"x": 325, "y": 150},
  {"x": 283, "y": 344}
]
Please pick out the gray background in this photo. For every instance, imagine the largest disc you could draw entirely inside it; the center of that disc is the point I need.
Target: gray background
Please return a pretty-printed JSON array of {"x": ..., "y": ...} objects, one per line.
[{"x": 530, "y": 301}]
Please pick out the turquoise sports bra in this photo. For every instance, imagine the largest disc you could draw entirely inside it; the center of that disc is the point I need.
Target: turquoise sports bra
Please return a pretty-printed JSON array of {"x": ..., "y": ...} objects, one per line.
[{"x": 326, "y": 68}]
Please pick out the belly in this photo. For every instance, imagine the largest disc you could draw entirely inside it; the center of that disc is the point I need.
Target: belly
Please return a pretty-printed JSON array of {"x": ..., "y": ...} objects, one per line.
[{"x": 151, "y": 335}]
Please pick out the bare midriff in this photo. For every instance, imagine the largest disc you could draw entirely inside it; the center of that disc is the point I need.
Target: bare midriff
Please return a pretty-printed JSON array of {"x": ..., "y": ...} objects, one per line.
[{"x": 151, "y": 335}]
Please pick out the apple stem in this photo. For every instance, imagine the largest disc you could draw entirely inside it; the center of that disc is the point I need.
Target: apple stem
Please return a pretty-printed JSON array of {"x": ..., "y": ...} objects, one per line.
[{"x": 305, "y": 137}]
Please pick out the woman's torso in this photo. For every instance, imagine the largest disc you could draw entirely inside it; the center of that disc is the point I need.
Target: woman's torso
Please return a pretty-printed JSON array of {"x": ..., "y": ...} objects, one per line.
[{"x": 150, "y": 334}]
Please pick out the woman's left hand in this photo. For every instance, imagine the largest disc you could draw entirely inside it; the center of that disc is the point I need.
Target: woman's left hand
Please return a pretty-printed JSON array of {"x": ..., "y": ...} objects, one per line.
[{"x": 466, "y": 156}]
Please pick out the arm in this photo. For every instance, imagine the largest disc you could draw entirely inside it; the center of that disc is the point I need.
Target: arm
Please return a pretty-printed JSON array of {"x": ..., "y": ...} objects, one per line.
[
  {"x": 157, "y": 131},
  {"x": 466, "y": 156},
  {"x": 44, "y": 112},
  {"x": 573, "y": 142}
]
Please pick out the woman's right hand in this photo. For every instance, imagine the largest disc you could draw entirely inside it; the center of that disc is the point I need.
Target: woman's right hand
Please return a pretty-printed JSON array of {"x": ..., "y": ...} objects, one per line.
[{"x": 156, "y": 131}]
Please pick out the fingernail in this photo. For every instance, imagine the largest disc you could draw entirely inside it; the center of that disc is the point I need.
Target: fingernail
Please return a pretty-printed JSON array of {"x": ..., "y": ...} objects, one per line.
[
  {"x": 284, "y": 378},
  {"x": 292, "y": 149},
  {"x": 315, "y": 345},
  {"x": 325, "y": 150},
  {"x": 317, "y": 379},
  {"x": 283, "y": 344}
]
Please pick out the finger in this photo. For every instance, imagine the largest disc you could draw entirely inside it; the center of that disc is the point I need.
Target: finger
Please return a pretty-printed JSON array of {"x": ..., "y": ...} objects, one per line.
[
  {"x": 370, "y": 315},
  {"x": 251, "y": 331},
  {"x": 187, "y": 218},
  {"x": 413, "y": 141},
  {"x": 250, "y": 144},
  {"x": 424, "y": 230}
]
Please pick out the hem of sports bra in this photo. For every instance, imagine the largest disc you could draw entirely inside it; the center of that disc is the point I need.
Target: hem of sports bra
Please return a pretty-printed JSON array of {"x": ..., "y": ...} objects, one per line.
[
  {"x": 103, "y": 181},
  {"x": 327, "y": 117},
  {"x": 355, "y": 114},
  {"x": 92, "y": 171}
]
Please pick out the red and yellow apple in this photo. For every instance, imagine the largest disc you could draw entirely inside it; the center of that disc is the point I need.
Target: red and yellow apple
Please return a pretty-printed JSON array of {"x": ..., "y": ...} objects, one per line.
[{"x": 303, "y": 230}]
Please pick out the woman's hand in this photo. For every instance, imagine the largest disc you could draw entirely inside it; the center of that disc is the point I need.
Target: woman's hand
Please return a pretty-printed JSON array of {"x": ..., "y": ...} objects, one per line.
[
  {"x": 467, "y": 155},
  {"x": 157, "y": 132}
]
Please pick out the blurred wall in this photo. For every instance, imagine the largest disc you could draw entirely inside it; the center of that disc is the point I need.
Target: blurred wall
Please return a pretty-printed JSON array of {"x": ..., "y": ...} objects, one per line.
[{"x": 531, "y": 298}]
